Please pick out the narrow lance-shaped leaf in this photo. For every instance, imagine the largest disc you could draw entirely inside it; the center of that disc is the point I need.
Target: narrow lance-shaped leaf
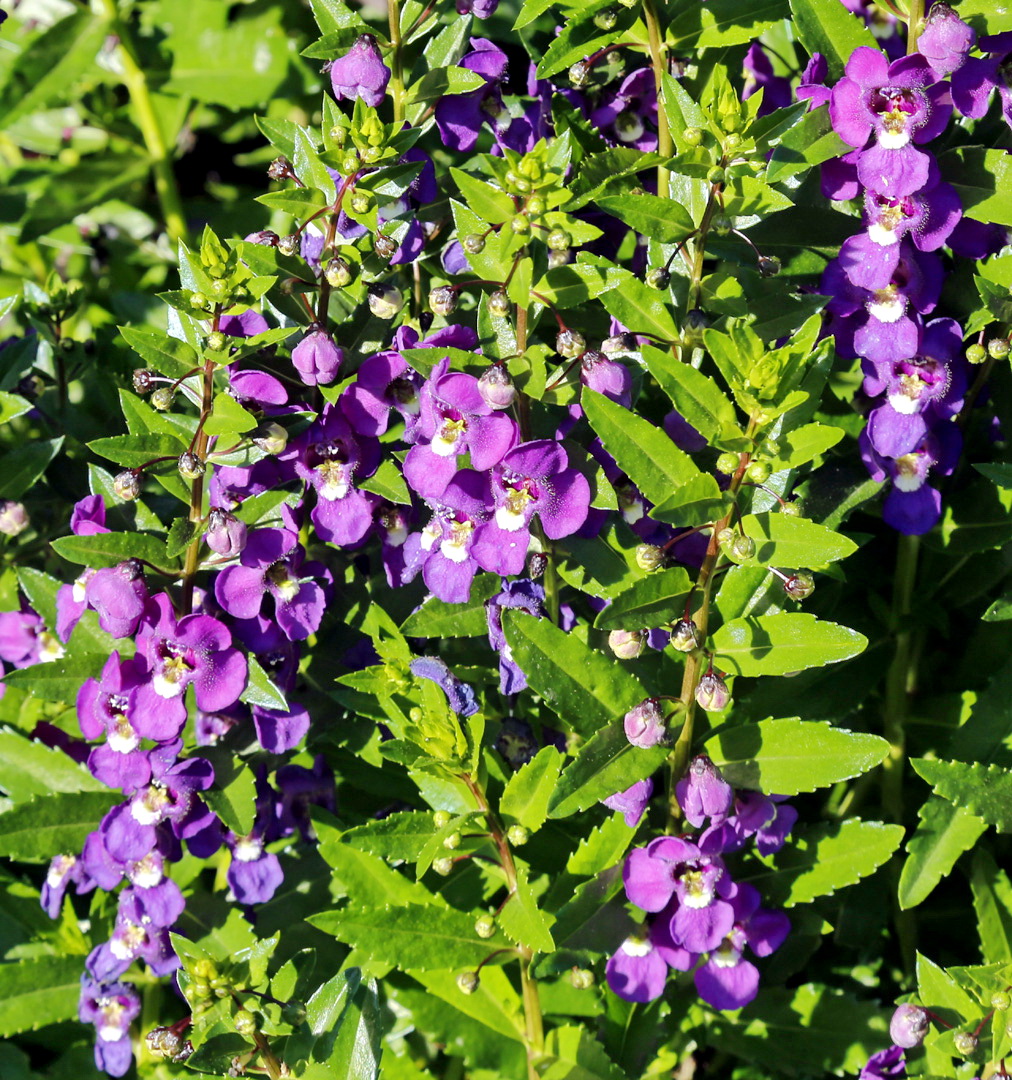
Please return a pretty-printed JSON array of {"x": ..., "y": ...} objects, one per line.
[
  {"x": 943, "y": 833},
  {"x": 778, "y": 644},
  {"x": 654, "y": 600}
]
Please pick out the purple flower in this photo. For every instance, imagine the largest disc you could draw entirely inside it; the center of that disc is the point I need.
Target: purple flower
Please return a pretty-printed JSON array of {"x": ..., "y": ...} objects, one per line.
[
  {"x": 272, "y": 562},
  {"x": 883, "y": 1064},
  {"x": 945, "y": 40},
  {"x": 459, "y": 116},
  {"x": 112, "y": 1007},
  {"x": 384, "y": 382},
  {"x": 254, "y": 874},
  {"x": 316, "y": 358},
  {"x": 140, "y": 932},
  {"x": 727, "y": 980},
  {"x": 360, "y": 73},
  {"x": 460, "y": 696},
  {"x": 608, "y": 377},
  {"x": 759, "y": 76},
  {"x": 533, "y": 478},
  {"x": 899, "y": 104},
  {"x": 703, "y": 793},
  {"x": 628, "y": 116},
  {"x": 637, "y": 970},
  {"x": 644, "y": 724},
  {"x": 276, "y": 653},
  {"x": 522, "y": 595},
  {"x": 248, "y": 324},
  {"x": 64, "y": 871},
  {"x": 480, "y": 9},
  {"x": 908, "y": 1026},
  {"x": 979, "y": 77},
  {"x": 88, "y": 516},
  {"x": 24, "y": 639},
  {"x": 278, "y": 732},
  {"x": 812, "y": 87},
  {"x": 119, "y": 595},
  {"x": 226, "y": 534},
  {"x": 197, "y": 649},
  {"x": 632, "y": 803}
]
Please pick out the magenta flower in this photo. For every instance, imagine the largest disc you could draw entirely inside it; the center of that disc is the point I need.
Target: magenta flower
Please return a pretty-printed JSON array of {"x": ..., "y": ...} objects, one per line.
[
  {"x": 633, "y": 802},
  {"x": 899, "y": 104},
  {"x": 945, "y": 40},
  {"x": 119, "y": 595},
  {"x": 360, "y": 73},
  {"x": 316, "y": 358},
  {"x": 703, "y": 793}
]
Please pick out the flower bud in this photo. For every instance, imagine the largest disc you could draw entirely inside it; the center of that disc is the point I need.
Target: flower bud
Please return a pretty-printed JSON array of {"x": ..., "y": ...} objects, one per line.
[
  {"x": 605, "y": 20},
  {"x": 317, "y": 358},
  {"x": 791, "y": 509},
  {"x": 559, "y": 258},
  {"x": 279, "y": 168},
  {"x": 127, "y": 485},
  {"x": 627, "y": 644},
  {"x": 265, "y": 238},
  {"x": 270, "y": 437},
  {"x": 570, "y": 343},
  {"x": 696, "y": 321},
  {"x": 244, "y": 1022},
  {"x": 499, "y": 303},
  {"x": 649, "y": 556},
  {"x": 441, "y": 818},
  {"x": 199, "y": 301},
  {"x": 965, "y": 1042},
  {"x": 716, "y": 175},
  {"x": 467, "y": 982},
  {"x": 732, "y": 141},
  {"x": 385, "y": 300},
  {"x": 360, "y": 202},
  {"x": 769, "y": 266},
  {"x": 685, "y": 636},
  {"x": 727, "y": 463},
  {"x": 581, "y": 978},
  {"x": 521, "y": 224},
  {"x": 443, "y": 866},
  {"x": 692, "y": 136},
  {"x": 743, "y": 548},
  {"x": 998, "y": 348},
  {"x": 658, "y": 278},
  {"x": 288, "y": 245},
  {"x": 162, "y": 399},
  {"x": 14, "y": 517},
  {"x": 190, "y": 466},
  {"x": 758, "y": 472},
  {"x": 496, "y": 387},
  {"x": 385, "y": 246},
  {"x": 537, "y": 564},
  {"x": 443, "y": 300},
  {"x": 579, "y": 73},
  {"x": 216, "y": 341},
  {"x": 144, "y": 380},
  {"x": 294, "y": 1012},
  {"x": 908, "y": 1026},
  {"x": 517, "y": 836},
  {"x": 337, "y": 272},
  {"x": 712, "y": 693},
  {"x": 1000, "y": 1001},
  {"x": 644, "y": 724},
  {"x": 452, "y": 842},
  {"x": 559, "y": 240},
  {"x": 799, "y": 586},
  {"x": 484, "y": 926},
  {"x": 473, "y": 243},
  {"x": 226, "y": 534},
  {"x": 619, "y": 343},
  {"x": 976, "y": 354}
]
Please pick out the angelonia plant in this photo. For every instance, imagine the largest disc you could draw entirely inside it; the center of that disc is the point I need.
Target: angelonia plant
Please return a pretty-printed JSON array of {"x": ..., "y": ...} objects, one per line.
[{"x": 486, "y": 601}]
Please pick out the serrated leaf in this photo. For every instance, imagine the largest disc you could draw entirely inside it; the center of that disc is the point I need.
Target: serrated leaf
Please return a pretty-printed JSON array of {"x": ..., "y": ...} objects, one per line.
[
  {"x": 983, "y": 790},
  {"x": 819, "y": 860},
  {"x": 180, "y": 535},
  {"x": 574, "y": 1054},
  {"x": 642, "y": 309},
  {"x": 943, "y": 833},
  {"x": 53, "y": 824},
  {"x": 606, "y": 764},
  {"x": 522, "y": 921},
  {"x": 585, "y": 688},
  {"x": 992, "y": 901},
  {"x": 697, "y": 502},
  {"x": 648, "y": 603},
  {"x": 112, "y": 548},
  {"x": 411, "y": 935},
  {"x": 804, "y": 444},
  {"x": 696, "y": 396},
  {"x": 396, "y": 837},
  {"x": 643, "y": 451},
  {"x": 233, "y": 794},
  {"x": 525, "y": 797},
  {"x": 57, "y": 680},
  {"x": 491, "y": 205},
  {"x": 809, "y": 142},
  {"x": 779, "y": 644},
  {"x": 167, "y": 355},
  {"x": 132, "y": 451},
  {"x": 794, "y": 542},
  {"x": 791, "y": 756},
  {"x": 581, "y": 37},
  {"x": 602, "y": 848},
  {"x": 29, "y": 767},
  {"x": 261, "y": 690},
  {"x": 39, "y": 991},
  {"x": 663, "y": 220},
  {"x": 436, "y": 618},
  {"x": 20, "y": 469}
]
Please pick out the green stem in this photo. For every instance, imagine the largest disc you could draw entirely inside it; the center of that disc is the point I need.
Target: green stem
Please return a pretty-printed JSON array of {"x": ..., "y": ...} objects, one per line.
[
  {"x": 396, "y": 60},
  {"x": 699, "y": 247},
  {"x": 915, "y": 21},
  {"x": 161, "y": 160},
  {"x": 658, "y": 61}
]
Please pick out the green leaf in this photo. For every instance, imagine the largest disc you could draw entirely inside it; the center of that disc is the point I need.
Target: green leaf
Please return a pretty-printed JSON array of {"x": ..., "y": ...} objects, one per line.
[
  {"x": 581, "y": 36},
  {"x": 574, "y": 284},
  {"x": 778, "y": 644},
  {"x": 642, "y": 309},
  {"x": 233, "y": 794},
  {"x": 261, "y": 690},
  {"x": 20, "y": 469},
  {"x": 1000, "y": 610},
  {"x": 12, "y": 406},
  {"x": 602, "y": 848},
  {"x": 358, "y": 1046},
  {"x": 699, "y": 502},
  {"x": 695, "y": 395},
  {"x": 57, "y": 680},
  {"x": 411, "y": 935},
  {"x": 804, "y": 444},
  {"x": 794, "y": 542},
  {"x": 490, "y": 204},
  {"x": 983, "y": 790},
  {"x": 606, "y": 764},
  {"x": 134, "y": 450},
  {"x": 582, "y": 686},
  {"x": 228, "y": 417},
  {"x": 809, "y": 142},
  {"x": 663, "y": 220},
  {"x": 651, "y": 602},
  {"x": 110, "y": 549},
  {"x": 180, "y": 536},
  {"x": 643, "y": 451},
  {"x": 725, "y": 22},
  {"x": 574, "y": 1054},
  {"x": 791, "y": 756},
  {"x": 525, "y": 798},
  {"x": 299, "y": 202},
  {"x": 522, "y": 921},
  {"x": 397, "y": 837},
  {"x": 41, "y": 590},
  {"x": 436, "y": 618},
  {"x": 943, "y": 833},
  {"x": 29, "y": 767},
  {"x": 992, "y": 901},
  {"x": 445, "y": 80},
  {"x": 983, "y": 180},
  {"x": 53, "y": 824},
  {"x": 39, "y": 991},
  {"x": 388, "y": 482},
  {"x": 999, "y": 474},
  {"x": 167, "y": 355},
  {"x": 600, "y": 171},
  {"x": 823, "y": 858},
  {"x": 827, "y": 27}
]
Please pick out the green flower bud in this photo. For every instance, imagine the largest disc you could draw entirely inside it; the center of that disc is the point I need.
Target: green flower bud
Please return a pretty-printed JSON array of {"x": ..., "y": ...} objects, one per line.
[
  {"x": 758, "y": 472},
  {"x": 499, "y": 303},
  {"x": 732, "y": 141},
  {"x": 270, "y": 437},
  {"x": 205, "y": 968},
  {"x": 338, "y": 135},
  {"x": 361, "y": 201},
  {"x": 441, "y": 818},
  {"x": 649, "y": 556},
  {"x": 443, "y": 300},
  {"x": 127, "y": 485},
  {"x": 799, "y": 586},
  {"x": 605, "y": 20},
  {"x": 384, "y": 246},
  {"x": 791, "y": 509},
  {"x": 199, "y": 301},
  {"x": 289, "y": 245},
  {"x": 517, "y": 835},
  {"x": 559, "y": 240},
  {"x": 245, "y": 1023},
  {"x": 484, "y": 926},
  {"x": 349, "y": 164},
  {"x": 190, "y": 466},
  {"x": 716, "y": 175},
  {"x": 658, "y": 278},
  {"x": 743, "y": 548},
  {"x": 385, "y": 300},
  {"x": 727, "y": 463},
  {"x": 443, "y": 866},
  {"x": 452, "y": 842},
  {"x": 692, "y": 136},
  {"x": 570, "y": 344},
  {"x": 1000, "y": 1001},
  {"x": 216, "y": 340},
  {"x": 976, "y": 354},
  {"x": 579, "y": 73},
  {"x": 520, "y": 224},
  {"x": 467, "y": 982},
  {"x": 219, "y": 289},
  {"x": 685, "y": 636},
  {"x": 162, "y": 398},
  {"x": 473, "y": 243},
  {"x": 338, "y": 273},
  {"x": 581, "y": 978},
  {"x": 998, "y": 348},
  {"x": 965, "y": 1042}
]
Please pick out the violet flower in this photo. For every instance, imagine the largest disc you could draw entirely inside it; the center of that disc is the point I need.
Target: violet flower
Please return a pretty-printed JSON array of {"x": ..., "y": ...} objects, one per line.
[
  {"x": 628, "y": 116},
  {"x": 316, "y": 358},
  {"x": 459, "y": 117},
  {"x": 523, "y": 595},
  {"x": 360, "y": 73},
  {"x": 945, "y": 40},
  {"x": 119, "y": 595},
  {"x": 703, "y": 793},
  {"x": 978, "y": 77},
  {"x": 88, "y": 516},
  {"x": 64, "y": 871},
  {"x": 759, "y": 76},
  {"x": 459, "y": 695},
  {"x": 112, "y": 1007},
  {"x": 633, "y": 802}
]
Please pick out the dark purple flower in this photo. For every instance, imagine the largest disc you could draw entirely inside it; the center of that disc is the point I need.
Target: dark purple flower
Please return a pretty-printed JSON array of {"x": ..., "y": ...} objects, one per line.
[
  {"x": 64, "y": 871},
  {"x": 759, "y": 76},
  {"x": 278, "y": 732},
  {"x": 360, "y": 73},
  {"x": 459, "y": 117},
  {"x": 812, "y": 87},
  {"x": 628, "y": 115},
  {"x": 978, "y": 77},
  {"x": 88, "y": 516},
  {"x": 637, "y": 970},
  {"x": 254, "y": 874},
  {"x": 523, "y": 595},
  {"x": 197, "y": 649},
  {"x": 884, "y": 1064},
  {"x": 316, "y": 358},
  {"x": 247, "y": 324},
  {"x": 480, "y": 9},
  {"x": 272, "y": 562},
  {"x": 633, "y": 802},
  {"x": 276, "y": 653},
  {"x": 460, "y": 695},
  {"x": 226, "y": 534},
  {"x": 703, "y": 793},
  {"x": 384, "y": 382},
  {"x": 112, "y": 1007}
]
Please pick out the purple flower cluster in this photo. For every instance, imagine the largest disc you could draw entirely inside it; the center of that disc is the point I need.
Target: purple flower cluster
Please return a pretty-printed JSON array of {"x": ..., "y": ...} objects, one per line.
[
  {"x": 701, "y": 919},
  {"x": 887, "y": 280}
]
